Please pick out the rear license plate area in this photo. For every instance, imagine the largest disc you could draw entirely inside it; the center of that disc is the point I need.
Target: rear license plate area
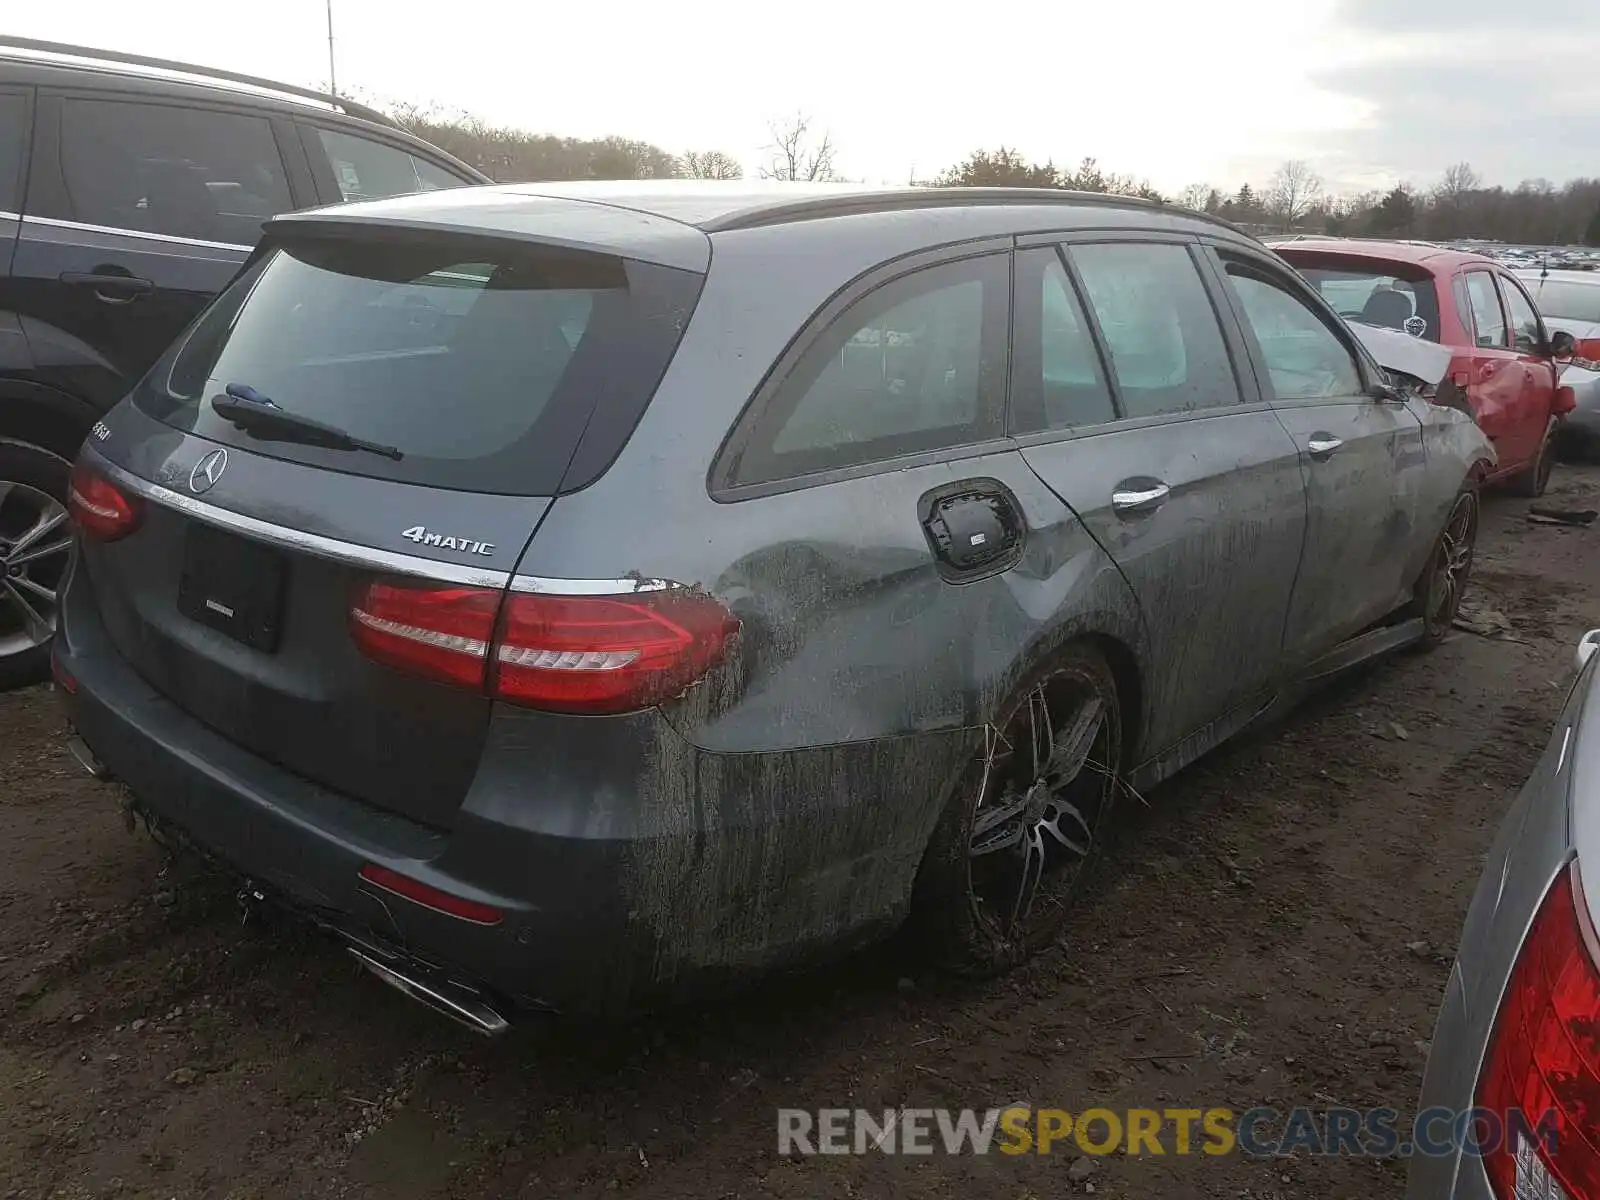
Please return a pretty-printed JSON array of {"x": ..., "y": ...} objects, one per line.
[{"x": 232, "y": 585}]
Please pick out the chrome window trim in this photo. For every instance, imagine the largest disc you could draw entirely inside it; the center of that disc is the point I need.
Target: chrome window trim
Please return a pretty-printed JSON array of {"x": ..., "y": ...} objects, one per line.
[
  {"x": 368, "y": 557},
  {"x": 9, "y": 216},
  {"x": 169, "y": 238}
]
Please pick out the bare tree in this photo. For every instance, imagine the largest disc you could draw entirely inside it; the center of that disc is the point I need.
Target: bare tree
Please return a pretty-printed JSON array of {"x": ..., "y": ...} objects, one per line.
[
  {"x": 1458, "y": 181},
  {"x": 711, "y": 164},
  {"x": 796, "y": 155},
  {"x": 1196, "y": 196},
  {"x": 1292, "y": 191}
]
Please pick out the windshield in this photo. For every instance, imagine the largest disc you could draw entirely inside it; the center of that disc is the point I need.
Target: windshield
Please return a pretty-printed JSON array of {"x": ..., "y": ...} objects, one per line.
[
  {"x": 1570, "y": 301},
  {"x": 1375, "y": 294},
  {"x": 480, "y": 362}
]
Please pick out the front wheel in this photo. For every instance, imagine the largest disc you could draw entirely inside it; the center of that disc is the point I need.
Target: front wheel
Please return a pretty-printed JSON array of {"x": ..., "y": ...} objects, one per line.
[
  {"x": 1438, "y": 593},
  {"x": 35, "y": 544},
  {"x": 1016, "y": 838}
]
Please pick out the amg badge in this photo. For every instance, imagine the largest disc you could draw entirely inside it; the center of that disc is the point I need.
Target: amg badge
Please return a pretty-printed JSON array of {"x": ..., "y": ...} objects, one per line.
[{"x": 424, "y": 537}]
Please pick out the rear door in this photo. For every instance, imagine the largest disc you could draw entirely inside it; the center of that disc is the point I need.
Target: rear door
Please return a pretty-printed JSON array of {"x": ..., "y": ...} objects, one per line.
[
  {"x": 1362, "y": 458},
  {"x": 1127, "y": 403},
  {"x": 1495, "y": 376},
  {"x": 1539, "y": 374},
  {"x": 139, "y": 212},
  {"x": 16, "y": 122}
]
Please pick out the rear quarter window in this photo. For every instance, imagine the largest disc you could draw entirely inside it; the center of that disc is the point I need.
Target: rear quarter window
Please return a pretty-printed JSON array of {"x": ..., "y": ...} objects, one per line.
[{"x": 482, "y": 362}]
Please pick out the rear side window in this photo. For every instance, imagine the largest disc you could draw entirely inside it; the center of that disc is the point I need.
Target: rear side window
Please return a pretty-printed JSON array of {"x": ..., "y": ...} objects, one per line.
[
  {"x": 482, "y": 362},
  {"x": 1166, "y": 347},
  {"x": 1056, "y": 382},
  {"x": 369, "y": 170},
  {"x": 13, "y": 137},
  {"x": 1489, "y": 322},
  {"x": 1304, "y": 358},
  {"x": 183, "y": 172},
  {"x": 917, "y": 364}
]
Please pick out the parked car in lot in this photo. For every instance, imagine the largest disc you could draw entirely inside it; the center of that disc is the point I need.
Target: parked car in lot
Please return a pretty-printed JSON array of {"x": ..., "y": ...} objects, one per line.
[
  {"x": 1504, "y": 356},
  {"x": 518, "y": 584},
  {"x": 131, "y": 190},
  {"x": 1568, "y": 301},
  {"x": 1518, "y": 1031}
]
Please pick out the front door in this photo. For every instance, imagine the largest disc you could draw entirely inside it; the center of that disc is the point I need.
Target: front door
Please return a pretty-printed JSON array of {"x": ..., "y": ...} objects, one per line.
[
  {"x": 1362, "y": 458},
  {"x": 1496, "y": 377},
  {"x": 1539, "y": 375},
  {"x": 1126, "y": 403}
]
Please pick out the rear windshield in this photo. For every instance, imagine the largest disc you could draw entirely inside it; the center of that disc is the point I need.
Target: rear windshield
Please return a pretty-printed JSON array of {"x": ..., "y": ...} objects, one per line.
[
  {"x": 1571, "y": 301},
  {"x": 482, "y": 362},
  {"x": 1381, "y": 294}
]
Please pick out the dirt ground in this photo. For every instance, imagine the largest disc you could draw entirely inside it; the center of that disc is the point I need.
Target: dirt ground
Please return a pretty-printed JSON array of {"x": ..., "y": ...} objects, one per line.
[{"x": 1257, "y": 922}]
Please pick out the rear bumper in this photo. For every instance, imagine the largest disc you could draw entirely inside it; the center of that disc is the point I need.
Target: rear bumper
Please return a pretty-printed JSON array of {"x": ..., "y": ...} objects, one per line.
[{"x": 629, "y": 866}]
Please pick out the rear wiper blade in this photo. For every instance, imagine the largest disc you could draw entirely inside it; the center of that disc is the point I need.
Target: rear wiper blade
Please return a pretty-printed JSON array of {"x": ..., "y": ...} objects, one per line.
[{"x": 248, "y": 409}]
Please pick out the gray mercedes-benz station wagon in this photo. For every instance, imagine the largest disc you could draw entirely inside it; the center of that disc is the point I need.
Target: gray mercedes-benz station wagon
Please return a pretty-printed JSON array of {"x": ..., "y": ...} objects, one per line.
[{"x": 570, "y": 594}]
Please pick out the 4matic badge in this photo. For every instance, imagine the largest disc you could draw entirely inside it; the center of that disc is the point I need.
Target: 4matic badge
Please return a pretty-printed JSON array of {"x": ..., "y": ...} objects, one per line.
[{"x": 423, "y": 537}]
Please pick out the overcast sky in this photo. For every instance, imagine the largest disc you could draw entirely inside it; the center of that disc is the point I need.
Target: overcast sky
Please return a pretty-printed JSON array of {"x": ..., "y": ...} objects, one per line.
[{"x": 1369, "y": 91}]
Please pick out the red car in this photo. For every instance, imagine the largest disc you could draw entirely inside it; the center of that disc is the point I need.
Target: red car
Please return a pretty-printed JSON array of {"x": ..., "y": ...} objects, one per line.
[{"x": 1504, "y": 360}]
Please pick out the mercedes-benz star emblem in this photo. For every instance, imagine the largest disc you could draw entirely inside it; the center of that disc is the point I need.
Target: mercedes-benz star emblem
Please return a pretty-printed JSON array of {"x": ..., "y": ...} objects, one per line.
[{"x": 208, "y": 470}]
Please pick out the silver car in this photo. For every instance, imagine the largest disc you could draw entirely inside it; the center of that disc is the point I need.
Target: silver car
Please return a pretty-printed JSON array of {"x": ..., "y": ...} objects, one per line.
[{"x": 1518, "y": 1033}]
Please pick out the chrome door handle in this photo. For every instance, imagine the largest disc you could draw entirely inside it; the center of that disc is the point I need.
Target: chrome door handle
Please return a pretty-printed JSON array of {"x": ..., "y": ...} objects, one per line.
[
  {"x": 1144, "y": 499},
  {"x": 1322, "y": 445}
]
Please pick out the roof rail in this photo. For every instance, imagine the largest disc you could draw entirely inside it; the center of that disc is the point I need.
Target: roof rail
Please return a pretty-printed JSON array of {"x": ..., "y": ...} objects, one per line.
[
  {"x": 891, "y": 200},
  {"x": 64, "y": 49}
]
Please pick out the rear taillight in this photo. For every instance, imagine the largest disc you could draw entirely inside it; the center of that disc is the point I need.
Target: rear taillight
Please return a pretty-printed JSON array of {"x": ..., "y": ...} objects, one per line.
[
  {"x": 98, "y": 507},
  {"x": 1542, "y": 1074},
  {"x": 579, "y": 654}
]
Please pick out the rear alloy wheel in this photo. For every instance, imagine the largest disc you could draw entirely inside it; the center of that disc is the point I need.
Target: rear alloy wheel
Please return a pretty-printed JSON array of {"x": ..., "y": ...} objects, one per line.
[
  {"x": 1439, "y": 591},
  {"x": 35, "y": 547},
  {"x": 1016, "y": 839}
]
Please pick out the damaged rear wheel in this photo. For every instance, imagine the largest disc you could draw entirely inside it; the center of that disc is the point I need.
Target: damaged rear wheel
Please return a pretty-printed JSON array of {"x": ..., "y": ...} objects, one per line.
[{"x": 1016, "y": 838}]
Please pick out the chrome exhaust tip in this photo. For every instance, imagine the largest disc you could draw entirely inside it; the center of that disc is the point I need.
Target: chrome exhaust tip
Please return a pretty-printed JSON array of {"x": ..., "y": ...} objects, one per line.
[
  {"x": 460, "y": 1004},
  {"x": 84, "y": 757}
]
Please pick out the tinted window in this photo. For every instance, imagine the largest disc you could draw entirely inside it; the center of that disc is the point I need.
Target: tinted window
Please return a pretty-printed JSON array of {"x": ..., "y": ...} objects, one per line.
[
  {"x": 1488, "y": 321},
  {"x": 185, "y": 172},
  {"x": 369, "y": 170},
  {"x": 482, "y": 363},
  {"x": 1304, "y": 358},
  {"x": 13, "y": 136},
  {"x": 1525, "y": 332},
  {"x": 917, "y": 364},
  {"x": 1166, "y": 347},
  {"x": 1057, "y": 381}
]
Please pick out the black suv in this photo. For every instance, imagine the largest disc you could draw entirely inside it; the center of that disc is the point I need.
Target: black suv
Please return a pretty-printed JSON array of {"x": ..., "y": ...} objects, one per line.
[{"x": 131, "y": 190}]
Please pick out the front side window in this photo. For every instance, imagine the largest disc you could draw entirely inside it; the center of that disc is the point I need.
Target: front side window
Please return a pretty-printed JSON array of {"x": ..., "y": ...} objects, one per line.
[
  {"x": 1488, "y": 321},
  {"x": 166, "y": 169},
  {"x": 367, "y": 170},
  {"x": 1166, "y": 348},
  {"x": 1304, "y": 358},
  {"x": 917, "y": 364},
  {"x": 1526, "y": 335}
]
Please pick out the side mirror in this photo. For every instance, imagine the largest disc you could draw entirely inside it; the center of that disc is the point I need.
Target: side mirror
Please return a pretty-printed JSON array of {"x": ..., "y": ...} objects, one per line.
[
  {"x": 1587, "y": 645},
  {"x": 1562, "y": 344}
]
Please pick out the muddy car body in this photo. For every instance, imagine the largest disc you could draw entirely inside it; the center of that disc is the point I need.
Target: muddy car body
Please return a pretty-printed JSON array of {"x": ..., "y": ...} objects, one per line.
[{"x": 749, "y": 629}]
